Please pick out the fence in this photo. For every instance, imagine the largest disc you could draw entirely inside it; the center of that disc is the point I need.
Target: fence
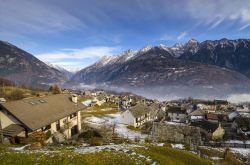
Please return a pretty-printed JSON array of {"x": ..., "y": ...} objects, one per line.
[{"x": 225, "y": 144}]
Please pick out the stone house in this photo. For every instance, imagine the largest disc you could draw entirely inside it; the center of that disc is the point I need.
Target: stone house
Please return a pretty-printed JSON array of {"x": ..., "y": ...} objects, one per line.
[
  {"x": 99, "y": 100},
  {"x": 212, "y": 117},
  {"x": 210, "y": 107},
  {"x": 86, "y": 93},
  {"x": 189, "y": 135},
  {"x": 232, "y": 115},
  {"x": 176, "y": 114},
  {"x": 138, "y": 115},
  {"x": 197, "y": 115},
  {"x": 59, "y": 114},
  {"x": 242, "y": 125}
]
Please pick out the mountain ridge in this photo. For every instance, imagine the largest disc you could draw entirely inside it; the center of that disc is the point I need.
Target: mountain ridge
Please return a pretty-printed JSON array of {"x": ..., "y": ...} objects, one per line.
[
  {"x": 159, "y": 65},
  {"x": 24, "y": 68}
]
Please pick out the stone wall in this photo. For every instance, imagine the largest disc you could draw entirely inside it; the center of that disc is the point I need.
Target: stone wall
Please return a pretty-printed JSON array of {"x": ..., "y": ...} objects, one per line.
[{"x": 176, "y": 133}]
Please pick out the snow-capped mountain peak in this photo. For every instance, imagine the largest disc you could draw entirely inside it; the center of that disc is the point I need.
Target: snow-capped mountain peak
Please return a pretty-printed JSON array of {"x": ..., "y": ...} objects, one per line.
[
  {"x": 192, "y": 46},
  {"x": 63, "y": 70},
  {"x": 105, "y": 60},
  {"x": 55, "y": 66},
  {"x": 146, "y": 48},
  {"x": 192, "y": 41},
  {"x": 163, "y": 46},
  {"x": 177, "y": 49},
  {"x": 127, "y": 55}
]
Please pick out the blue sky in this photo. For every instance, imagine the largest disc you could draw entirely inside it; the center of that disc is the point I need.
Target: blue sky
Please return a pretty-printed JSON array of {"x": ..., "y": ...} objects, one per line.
[{"x": 74, "y": 34}]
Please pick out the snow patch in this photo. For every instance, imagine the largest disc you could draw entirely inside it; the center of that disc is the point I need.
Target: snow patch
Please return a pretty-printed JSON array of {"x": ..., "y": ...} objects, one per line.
[{"x": 178, "y": 146}]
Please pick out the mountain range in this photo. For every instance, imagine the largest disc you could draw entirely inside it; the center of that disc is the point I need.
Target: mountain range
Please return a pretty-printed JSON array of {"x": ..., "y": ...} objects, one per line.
[
  {"x": 217, "y": 67},
  {"x": 214, "y": 68}
]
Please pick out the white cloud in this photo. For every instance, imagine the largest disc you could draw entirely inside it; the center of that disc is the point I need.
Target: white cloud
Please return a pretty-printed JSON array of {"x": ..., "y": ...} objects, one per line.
[
  {"x": 214, "y": 12},
  {"x": 244, "y": 27},
  {"x": 239, "y": 98},
  {"x": 167, "y": 37},
  {"x": 181, "y": 36},
  {"x": 216, "y": 23},
  {"x": 25, "y": 17},
  {"x": 75, "y": 58},
  {"x": 83, "y": 53}
]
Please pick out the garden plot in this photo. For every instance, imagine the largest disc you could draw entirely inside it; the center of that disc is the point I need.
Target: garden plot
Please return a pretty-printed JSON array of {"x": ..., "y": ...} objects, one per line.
[{"x": 112, "y": 119}]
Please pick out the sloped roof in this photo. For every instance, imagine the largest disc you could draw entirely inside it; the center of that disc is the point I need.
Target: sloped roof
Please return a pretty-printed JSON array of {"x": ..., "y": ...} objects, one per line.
[
  {"x": 12, "y": 130},
  {"x": 140, "y": 109},
  {"x": 175, "y": 110},
  {"x": 197, "y": 112},
  {"x": 38, "y": 112}
]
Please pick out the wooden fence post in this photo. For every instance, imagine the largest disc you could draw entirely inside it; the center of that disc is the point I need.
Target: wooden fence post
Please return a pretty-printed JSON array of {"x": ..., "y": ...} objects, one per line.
[{"x": 1, "y": 132}]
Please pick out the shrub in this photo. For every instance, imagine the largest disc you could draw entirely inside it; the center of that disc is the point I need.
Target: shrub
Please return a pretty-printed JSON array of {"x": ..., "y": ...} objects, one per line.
[
  {"x": 95, "y": 141},
  {"x": 16, "y": 94},
  {"x": 89, "y": 134},
  {"x": 55, "y": 89},
  {"x": 48, "y": 135}
]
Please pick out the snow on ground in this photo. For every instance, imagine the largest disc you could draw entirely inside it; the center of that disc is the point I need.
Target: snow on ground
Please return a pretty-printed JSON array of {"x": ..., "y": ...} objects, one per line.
[
  {"x": 174, "y": 123},
  {"x": 121, "y": 129},
  {"x": 160, "y": 144},
  {"x": 178, "y": 146},
  {"x": 238, "y": 141},
  {"x": 242, "y": 151},
  {"x": 216, "y": 158},
  {"x": 114, "y": 147},
  {"x": 124, "y": 148},
  {"x": 245, "y": 152},
  {"x": 95, "y": 120},
  {"x": 20, "y": 148}
]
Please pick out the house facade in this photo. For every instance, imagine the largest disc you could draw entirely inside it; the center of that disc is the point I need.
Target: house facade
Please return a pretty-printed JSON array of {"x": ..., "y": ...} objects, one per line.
[
  {"x": 138, "y": 115},
  {"x": 176, "y": 114},
  {"x": 59, "y": 114},
  {"x": 197, "y": 115}
]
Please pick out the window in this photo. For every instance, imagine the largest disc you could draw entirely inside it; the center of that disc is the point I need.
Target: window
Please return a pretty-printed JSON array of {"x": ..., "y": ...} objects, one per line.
[
  {"x": 58, "y": 125},
  {"x": 42, "y": 101},
  {"x": 47, "y": 127},
  {"x": 65, "y": 121},
  {"x": 73, "y": 115},
  {"x": 74, "y": 130}
]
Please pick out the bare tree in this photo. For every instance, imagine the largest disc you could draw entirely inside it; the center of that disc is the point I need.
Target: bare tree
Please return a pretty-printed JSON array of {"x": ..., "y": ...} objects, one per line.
[{"x": 106, "y": 131}]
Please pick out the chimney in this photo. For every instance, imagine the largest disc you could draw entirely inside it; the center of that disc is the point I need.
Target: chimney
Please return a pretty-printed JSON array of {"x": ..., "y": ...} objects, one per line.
[{"x": 74, "y": 98}]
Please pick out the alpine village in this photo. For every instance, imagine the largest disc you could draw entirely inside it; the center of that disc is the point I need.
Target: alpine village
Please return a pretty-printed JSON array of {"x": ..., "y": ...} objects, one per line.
[{"x": 124, "y": 82}]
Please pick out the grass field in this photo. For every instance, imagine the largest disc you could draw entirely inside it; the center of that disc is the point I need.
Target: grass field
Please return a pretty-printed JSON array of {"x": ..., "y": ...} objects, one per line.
[
  {"x": 105, "y": 109},
  {"x": 167, "y": 155},
  {"x": 99, "y": 112},
  {"x": 162, "y": 155},
  {"x": 133, "y": 128},
  {"x": 16, "y": 93},
  {"x": 65, "y": 158}
]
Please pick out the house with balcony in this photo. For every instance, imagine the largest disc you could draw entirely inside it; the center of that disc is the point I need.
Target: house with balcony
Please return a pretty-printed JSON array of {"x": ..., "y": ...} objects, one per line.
[{"x": 58, "y": 114}]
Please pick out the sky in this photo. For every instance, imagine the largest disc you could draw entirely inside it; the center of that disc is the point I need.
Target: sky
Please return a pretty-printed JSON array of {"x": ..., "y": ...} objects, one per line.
[{"x": 76, "y": 33}]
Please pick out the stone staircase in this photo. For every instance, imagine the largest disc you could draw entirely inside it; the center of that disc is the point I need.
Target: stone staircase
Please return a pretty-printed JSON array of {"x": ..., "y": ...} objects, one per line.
[{"x": 58, "y": 137}]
